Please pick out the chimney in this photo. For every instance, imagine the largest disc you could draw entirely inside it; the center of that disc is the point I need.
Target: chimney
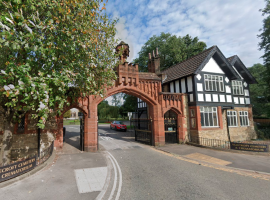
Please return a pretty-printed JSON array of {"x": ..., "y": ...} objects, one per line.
[
  {"x": 154, "y": 62},
  {"x": 157, "y": 62},
  {"x": 125, "y": 51}
]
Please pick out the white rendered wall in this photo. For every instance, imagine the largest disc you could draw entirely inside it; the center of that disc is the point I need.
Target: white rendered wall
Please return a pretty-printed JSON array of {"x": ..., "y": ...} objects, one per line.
[{"x": 213, "y": 67}]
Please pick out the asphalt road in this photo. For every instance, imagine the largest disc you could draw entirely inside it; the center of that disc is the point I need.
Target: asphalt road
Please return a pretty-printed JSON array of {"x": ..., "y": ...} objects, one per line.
[
  {"x": 149, "y": 174},
  {"x": 133, "y": 172}
]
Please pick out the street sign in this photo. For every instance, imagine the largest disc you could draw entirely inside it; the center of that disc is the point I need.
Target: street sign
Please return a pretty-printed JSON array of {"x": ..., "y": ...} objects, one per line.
[{"x": 129, "y": 115}]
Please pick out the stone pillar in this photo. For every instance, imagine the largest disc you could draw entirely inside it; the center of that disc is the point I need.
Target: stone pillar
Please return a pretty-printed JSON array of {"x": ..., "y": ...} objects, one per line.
[
  {"x": 91, "y": 130},
  {"x": 158, "y": 125},
  {"x": 58, "y": 142},
  {"x": 181, "y": 121}
]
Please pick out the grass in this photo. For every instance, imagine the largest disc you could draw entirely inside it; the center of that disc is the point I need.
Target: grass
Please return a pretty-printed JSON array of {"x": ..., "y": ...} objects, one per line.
[{"x": 72, "y": 122}]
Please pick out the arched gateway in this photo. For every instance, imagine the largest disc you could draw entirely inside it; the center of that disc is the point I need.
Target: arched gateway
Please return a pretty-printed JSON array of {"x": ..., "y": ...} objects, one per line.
[{"x": 144, "y": 85}]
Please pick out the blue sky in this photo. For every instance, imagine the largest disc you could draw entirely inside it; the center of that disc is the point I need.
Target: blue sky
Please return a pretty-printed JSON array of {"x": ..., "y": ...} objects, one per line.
[{"x": 232, "y": 25}]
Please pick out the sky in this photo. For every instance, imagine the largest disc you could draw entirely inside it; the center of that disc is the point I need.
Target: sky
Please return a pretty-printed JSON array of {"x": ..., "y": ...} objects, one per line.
[{"x": 232, "y": 25}]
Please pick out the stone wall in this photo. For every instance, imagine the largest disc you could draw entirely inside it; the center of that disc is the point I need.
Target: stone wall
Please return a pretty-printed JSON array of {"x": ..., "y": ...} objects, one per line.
[
  {"x": 1, "y": 122},
  {"x": 236, "y": 133},
  {"x": 25, "y": 144}
]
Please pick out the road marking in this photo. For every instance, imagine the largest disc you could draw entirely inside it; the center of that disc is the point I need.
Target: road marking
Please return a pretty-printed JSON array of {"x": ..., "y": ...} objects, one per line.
[
  {"x": 120, "y": 177},
  {"x": 90, "y": 179},
  {"x": 206, "y": 158},
  {"x": 115, "y": 178},
  {"x": 106, "y": 138}
]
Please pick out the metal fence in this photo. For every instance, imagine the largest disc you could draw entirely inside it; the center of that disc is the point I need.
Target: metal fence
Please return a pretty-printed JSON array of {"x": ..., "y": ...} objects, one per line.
[
  {"x": 143, "y": 130},
  {"x": 214, "y": 143},
  {"x": 46, "y": 154}
]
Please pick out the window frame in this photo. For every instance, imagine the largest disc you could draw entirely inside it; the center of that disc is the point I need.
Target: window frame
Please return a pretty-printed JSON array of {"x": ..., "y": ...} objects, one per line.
[
  {"x": 213, "y": 83},
  {"x": 242, "y": 116},
  {"x": 230, "y": 117},
  {"x": 206, "y": 115},
  {"x": 237, "y": 87}
]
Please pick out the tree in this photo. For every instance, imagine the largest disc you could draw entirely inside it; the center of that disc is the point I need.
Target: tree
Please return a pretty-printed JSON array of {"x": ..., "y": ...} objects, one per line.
[
  {"x": 103, "y": 109},
  {"x": 172, "y": 49},
  {"x": 259, "y": 92},
  {"x": 67, "y": 114},
  {"x": 265, "y": 45},
  {"x": 116, "y": 99},
  {"x": 50, "y": 50}
]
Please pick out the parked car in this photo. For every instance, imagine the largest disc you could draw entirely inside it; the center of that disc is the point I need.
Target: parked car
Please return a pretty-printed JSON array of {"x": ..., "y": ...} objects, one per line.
[{"x": 118, "y": 125}]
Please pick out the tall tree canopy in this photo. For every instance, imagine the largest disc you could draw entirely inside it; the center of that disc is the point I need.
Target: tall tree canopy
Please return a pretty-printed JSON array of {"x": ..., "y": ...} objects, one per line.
[
  {"x": 129, "y": 105},
  {"x": 259, "y": 92},
  {"x": 172, "y": 49},
  {"x": 47, "y": 49},
  {"x": 265, "y": 44}
]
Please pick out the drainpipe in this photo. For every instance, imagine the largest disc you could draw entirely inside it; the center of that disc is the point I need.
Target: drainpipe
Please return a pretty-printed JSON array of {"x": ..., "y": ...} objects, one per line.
[{"x": 228, "y": 130}]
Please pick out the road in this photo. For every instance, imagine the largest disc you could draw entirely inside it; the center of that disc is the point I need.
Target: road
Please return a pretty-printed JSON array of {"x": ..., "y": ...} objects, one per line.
[
  {"x": 150, "y": 174},
  {"x": 129, "y": 170}
]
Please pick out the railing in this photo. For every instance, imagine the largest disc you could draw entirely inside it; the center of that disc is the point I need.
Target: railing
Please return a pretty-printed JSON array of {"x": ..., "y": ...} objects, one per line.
[
  {"x": 45, "y": 155},
  {"x": 143, "y": 130},
  {"x": 214, "y": 143}
]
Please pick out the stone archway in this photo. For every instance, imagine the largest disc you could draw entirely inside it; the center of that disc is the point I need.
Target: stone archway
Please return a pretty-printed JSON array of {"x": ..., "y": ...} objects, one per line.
[
  {"x": 59, "y": 136},
  {"x": 144, "y": 85}
]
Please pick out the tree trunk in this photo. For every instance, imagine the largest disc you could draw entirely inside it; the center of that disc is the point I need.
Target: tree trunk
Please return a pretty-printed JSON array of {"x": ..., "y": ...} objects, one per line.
[{"x": 6, "y": 143}]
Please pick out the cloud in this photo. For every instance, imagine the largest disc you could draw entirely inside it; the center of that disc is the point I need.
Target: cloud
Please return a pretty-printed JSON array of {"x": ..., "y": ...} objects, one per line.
[{"x": 231, "y": 25}]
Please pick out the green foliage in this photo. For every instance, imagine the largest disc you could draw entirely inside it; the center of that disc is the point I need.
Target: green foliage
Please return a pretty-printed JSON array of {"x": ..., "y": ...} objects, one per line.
[
  {"x": 67, "y": 114},
  {"x": 106, "y": 111},
  {"x": 259, "y": 93},
  {"x": 172, "y": 49},
  {"x": 50, "y": 50},
  {"x": 116, "y": 99},
  {"x": 130, "y": 105},
  {"x": 103, "y": 109},
  {"x": 265, "y": 44}
]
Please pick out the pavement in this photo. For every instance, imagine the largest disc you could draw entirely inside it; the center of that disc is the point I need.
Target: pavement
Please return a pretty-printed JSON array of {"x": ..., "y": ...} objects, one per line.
[
  {"x": 71, "y": 174},
  {"x": 259, "y": 162}
]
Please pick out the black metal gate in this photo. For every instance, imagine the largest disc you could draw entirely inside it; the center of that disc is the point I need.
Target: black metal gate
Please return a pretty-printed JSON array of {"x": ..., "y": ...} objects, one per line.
[
  {"x": 170, "y": 125},
  {"x": 143, "y": 130},
  {"x": 82, "y": 133}
]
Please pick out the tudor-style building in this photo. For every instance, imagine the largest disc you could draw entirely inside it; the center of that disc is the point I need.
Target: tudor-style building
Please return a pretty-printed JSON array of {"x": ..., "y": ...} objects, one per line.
[{"x": 218, "y": 94}]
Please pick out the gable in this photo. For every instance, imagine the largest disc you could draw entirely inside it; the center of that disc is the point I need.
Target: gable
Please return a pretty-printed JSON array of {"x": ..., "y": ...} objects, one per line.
[
  {"x": 241, "y": 69},
  {"x": 237, "y": 72},
  {"x": 212, "y": 67}
]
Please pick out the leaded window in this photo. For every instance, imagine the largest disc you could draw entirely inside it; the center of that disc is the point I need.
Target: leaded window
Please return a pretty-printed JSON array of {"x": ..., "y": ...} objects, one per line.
[
  {"x": 213, "y": 83},
  {"x": 237, "y": 87},
  {"x": 209, "y": 116},
  {"x": 243, "y": 115},
  {"x": 232, "y": 118}
]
